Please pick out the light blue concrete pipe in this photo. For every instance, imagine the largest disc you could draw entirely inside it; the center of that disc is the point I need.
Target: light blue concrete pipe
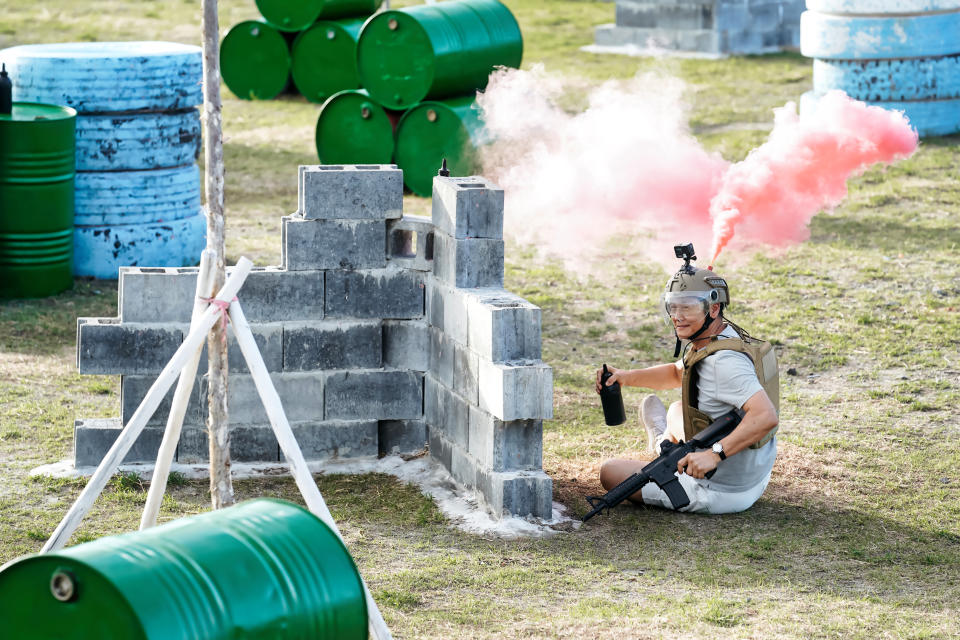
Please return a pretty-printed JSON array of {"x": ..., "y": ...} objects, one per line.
[
  {"x": 929, "y": 118},
  {"x": 873, "y": 7},
  {"x": 126, "y": 142},
  {"x": 870, "y": 37},
  {"x": 99, "y": 251},
  {"x": 107, "y": 77},
  {"x": 136, "y": 197},
  {"x": 890, "y": 80}
]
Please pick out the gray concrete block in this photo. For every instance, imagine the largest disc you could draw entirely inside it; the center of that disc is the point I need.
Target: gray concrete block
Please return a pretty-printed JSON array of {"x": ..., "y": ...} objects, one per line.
[
  {"x": 366, "y": 192},
  {"x": 468, "y": 262},
  {"x": 104, "y": 346},
  {"x": 248, "y": 443},
  {"x": 673, "y": 15},
  {"x": 463, "y": 467},
  {"x": 505, "y": 446},
  {"x": 301, "y": 395},
  {"x": 332, "y": 345},
  {"x": 93, "y": 437},
  {"x": 446, "y": 412},
  {"x": 701, "y": 40},
  {"x": 272, "y": 294},
  {"x": 336, "y": 439},
  {"x": 441, "y": 361},
  {"x": 441, "y": 449},
  {"x": 410, "y": 243},
  {"x": 133, "y": 389},
  {"x": 466, "y": 373},
  {"x": 401, "y": 436},
  {"x": 387, "y": 294},
  {"x": 516, "y": 392},
  {"x": 269, "y": 339},
  {"x": 373, "y": 395},
  {"x": 406, "y": 344},
  {"x": 333, "y": 244},
  {"x": 517, "y": 493},
  {"x": 156, "y": 294},
  {"x": 467, "y": 207},
  {"x": 503, "y": 326},
  {"x": 446, "y": 308}
]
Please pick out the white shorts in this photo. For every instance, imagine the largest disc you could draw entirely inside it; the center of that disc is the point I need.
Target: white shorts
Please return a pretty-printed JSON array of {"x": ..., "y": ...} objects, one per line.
[{"x": 704, "y": 500}]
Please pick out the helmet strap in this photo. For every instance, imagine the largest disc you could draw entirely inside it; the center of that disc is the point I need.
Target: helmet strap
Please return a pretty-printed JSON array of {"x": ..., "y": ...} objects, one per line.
[{"x": 706, "y": 323}]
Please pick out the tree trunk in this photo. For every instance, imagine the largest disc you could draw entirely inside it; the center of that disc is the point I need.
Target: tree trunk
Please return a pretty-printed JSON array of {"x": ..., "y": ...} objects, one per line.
[{"x": 221, "y": 486}]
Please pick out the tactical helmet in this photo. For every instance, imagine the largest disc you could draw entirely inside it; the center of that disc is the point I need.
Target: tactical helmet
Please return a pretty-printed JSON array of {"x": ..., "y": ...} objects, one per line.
[{"x": 693, "y": 290}]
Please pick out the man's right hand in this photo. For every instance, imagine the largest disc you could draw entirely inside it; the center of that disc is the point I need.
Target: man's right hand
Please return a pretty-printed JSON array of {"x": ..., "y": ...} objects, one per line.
[{"x": 613, "y": 378}]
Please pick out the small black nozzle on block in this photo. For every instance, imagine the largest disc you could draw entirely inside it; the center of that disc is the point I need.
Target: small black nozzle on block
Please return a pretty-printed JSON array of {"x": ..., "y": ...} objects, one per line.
[
  {"x": 6, "y": 92},
  {"x": 443, "y": 169}
]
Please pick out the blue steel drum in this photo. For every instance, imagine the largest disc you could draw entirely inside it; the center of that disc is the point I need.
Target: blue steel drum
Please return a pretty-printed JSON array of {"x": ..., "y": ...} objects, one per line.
[
  {"x": 137, "y": 141},
  {"x": 928, "y": 117},
  {"x": 890, "y": 80},
  {"x": 864, "y": 37},
  {"x": 135, "y": 197},
  {"x": 99, "y": 251},
  {"x": 107, "y": 77}
]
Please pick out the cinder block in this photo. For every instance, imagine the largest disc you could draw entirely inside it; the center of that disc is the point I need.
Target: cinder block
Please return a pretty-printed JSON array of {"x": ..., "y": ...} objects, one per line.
[
  {"x": 365, "y": 192},
  {"x": 133, "y": 389},
  {"x": 333, "y": 244},
  {"x": 463, "y": 467},
  {"x": 516, "y": 392},
  {"x": 332, "y": 345},
  {"x": 470, "y": 207},
  {"x": 517, "y": 493},
  {"x": 505, "y": 446},
  {"x": 301, "y": 395},
  {"x": 446, "y": 412},
  {"x": 269, "y": 339},
  {"x": 336, "y": 439},
  {"x": 387, "y": 294},
  {"x": 468, "y": 262},
  {"x": 447, "y": 309},
  {"x": 93, "y": 438},
  {"x": 686, "y": 15},
  {"x": 406, "y": 344},
  {"x": 441, "y": 357},
  {"x": 401, "y": 436},
  {"x": 466, "y": 372},
  {"x": 441, "y": 449},
  {"x": 104, "y": 346},
  {"x": 410, "y": 243},
  {"x": 373, "y": 395},
  {"x": 269, "y": 294},
  {"x": 503, "y": 326},
  {"x": 248, "y": 443}
]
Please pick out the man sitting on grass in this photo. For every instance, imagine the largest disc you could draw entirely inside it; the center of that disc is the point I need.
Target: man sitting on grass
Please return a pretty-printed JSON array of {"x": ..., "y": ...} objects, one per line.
[{"x": 717, "y": 374}]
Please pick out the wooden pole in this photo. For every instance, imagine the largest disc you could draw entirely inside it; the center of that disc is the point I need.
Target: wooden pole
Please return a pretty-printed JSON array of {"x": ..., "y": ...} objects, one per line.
[
  {"x": 181, "y": 397},
  {"x": 221, "y": 486},
  {"x": 291, "y": 450},
  {"x": 130, "y": 433}
]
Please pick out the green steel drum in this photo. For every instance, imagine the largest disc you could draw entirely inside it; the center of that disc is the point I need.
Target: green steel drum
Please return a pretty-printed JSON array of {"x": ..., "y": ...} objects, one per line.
[
  {"x": 297, "y": 15},
  {"x": 324, "y": 58},
  {"x": 435, "y": 130},
  {"x": 435, "y": 51},
  {"x": 37, "y": 168},
  {"x": 255, "y": 61},
  {"x": 262, "y": 570},
  {"x": 354, "y": 129}
]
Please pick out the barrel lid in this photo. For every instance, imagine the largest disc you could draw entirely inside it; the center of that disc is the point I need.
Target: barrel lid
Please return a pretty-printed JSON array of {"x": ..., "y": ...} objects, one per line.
[
  {"x": 324, "y": 59},
  {"x": 36, "y": 112},
  {"x": 290, "y": 15},
  {"x": 426, "y": 135},
  {"x": 255, "y": 60},
  {"x": 73, "y": 50},
  {"x": 352, "y": 128},
  {"x": 395, "y": 59}
]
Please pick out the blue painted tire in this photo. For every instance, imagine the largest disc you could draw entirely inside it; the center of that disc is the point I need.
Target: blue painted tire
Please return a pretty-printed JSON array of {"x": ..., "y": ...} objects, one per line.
[
  {"x": 890, "y": 80},
  {"x": 130, "y": 142},
  {"x": 136, "y": 197},
  {"x": 99, "y": 251},
  {"x": 873, "y": 7},
  {"x": 837, "y": 37},
  {"x": 107, "y": 77},
  {"x": 929, "y": 118}
]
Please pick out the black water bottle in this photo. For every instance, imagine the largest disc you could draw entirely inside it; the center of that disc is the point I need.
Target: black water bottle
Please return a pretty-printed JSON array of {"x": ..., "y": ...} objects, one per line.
[
  {"x": 6, "y": 92},
  {"x": 611, "y": 399}
]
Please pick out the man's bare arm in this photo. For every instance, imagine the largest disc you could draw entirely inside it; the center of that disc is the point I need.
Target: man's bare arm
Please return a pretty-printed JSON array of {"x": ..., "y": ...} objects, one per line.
[{"x": 661, "y": 376}]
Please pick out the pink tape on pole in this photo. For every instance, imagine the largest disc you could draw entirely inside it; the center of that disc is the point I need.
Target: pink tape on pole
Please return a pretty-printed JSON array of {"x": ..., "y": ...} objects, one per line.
[{"x": 224, "y": 306}]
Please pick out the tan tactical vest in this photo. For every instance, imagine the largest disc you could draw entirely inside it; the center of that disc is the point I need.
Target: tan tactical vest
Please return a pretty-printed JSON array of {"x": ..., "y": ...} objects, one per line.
[{"x": 764, "y": 361}]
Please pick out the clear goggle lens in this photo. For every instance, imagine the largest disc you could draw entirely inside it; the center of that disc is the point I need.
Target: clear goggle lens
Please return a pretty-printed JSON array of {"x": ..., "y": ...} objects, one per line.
[{"x": 688, "y": 304}]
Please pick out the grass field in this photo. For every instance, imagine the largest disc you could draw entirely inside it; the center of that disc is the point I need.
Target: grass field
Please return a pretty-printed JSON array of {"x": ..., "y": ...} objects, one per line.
[{"x": 858, "y": 534}]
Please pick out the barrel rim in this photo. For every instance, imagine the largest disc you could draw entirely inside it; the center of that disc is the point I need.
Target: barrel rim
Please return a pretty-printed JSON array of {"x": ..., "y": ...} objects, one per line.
[{"x": 65, "y": 113}]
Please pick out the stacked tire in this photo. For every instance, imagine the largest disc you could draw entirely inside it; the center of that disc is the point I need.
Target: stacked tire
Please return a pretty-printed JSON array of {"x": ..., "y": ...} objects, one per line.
[
  {"x": 897, "y": 54},
  {"x": 137, "y": 198}
]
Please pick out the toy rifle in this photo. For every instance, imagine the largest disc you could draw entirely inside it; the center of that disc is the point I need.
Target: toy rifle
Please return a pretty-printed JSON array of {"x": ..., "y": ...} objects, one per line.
[{"x": 663, "y": 470}]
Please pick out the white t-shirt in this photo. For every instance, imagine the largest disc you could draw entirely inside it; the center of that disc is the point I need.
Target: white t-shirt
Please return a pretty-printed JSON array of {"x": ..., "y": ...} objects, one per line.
[{"x": 727, "y": 379}]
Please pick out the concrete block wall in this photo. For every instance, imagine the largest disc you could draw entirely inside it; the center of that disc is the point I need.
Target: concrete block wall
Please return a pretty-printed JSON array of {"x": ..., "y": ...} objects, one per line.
[
  {"x": 383, "y": 334},
  {"x": 706, "y": 26}
]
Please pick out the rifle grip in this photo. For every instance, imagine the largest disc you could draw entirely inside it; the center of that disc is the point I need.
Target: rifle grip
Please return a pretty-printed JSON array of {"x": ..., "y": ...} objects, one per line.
[{"x": 710, "y": 473}]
